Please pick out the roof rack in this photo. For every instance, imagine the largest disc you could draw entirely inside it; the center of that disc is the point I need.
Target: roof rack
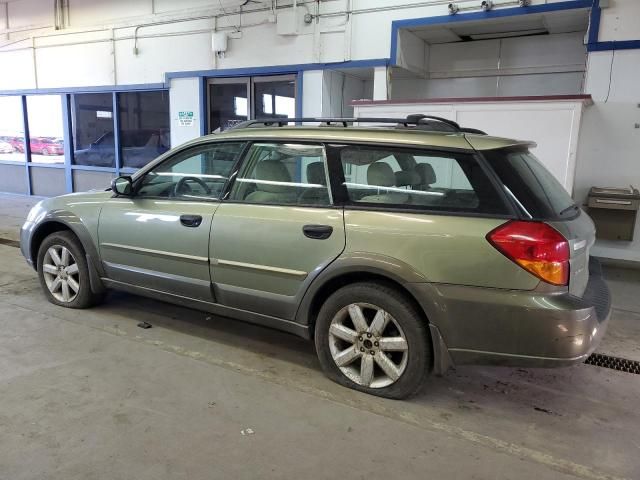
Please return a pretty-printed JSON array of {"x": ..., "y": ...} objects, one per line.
[{"x": 416, "y": 121}]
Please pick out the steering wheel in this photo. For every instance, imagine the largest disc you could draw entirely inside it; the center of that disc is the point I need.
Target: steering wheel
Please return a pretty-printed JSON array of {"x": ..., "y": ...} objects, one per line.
[{"x": 182, "y": 187}]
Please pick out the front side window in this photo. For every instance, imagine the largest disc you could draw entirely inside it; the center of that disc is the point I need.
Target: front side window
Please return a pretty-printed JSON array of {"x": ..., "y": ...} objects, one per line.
[
  {"x": 197, "y": 173},
  {"x": 284, "y": 174},
  {"x": 407, "y": 178}
]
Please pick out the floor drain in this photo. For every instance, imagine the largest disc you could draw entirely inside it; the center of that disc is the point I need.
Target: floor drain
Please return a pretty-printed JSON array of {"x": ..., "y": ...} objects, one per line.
[
  {"x": 10, "y": 243},
  {"x": 615, "y": 363}
]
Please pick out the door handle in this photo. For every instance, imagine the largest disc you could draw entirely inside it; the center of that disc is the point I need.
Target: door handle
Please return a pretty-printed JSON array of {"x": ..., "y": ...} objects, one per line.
[
  {"x": 191, "y": 220},
  {"x": 318, "y": 232}
]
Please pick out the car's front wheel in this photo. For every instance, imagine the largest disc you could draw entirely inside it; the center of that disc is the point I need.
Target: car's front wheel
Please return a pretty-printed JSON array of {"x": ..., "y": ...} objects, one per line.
[
  {"x": 372, "y": 338},
  {"x": 63, "y": 271}
]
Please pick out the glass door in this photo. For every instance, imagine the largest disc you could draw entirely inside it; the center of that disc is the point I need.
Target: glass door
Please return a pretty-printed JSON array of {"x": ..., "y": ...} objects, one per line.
[
  {"x": 274, "y": 97},
  {"x": 228, "y": 102},
  {"x": 233, "y": 100}
]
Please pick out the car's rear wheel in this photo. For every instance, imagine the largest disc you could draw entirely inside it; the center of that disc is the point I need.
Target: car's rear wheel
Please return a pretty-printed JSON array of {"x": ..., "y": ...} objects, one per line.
[
  {"x": 63, "y": 271},
  {"x": 372, "y": 338},
  {"x": 45, "y": 151}
]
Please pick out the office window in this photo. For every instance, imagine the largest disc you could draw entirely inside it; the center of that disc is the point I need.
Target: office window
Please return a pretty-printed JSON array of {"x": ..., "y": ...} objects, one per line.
[
  {"x": 144, "y": 127},
  {"x": 11, "y": 129},
  {"x": 45, "y": 128},
  {"x": 92, "y": 123}
]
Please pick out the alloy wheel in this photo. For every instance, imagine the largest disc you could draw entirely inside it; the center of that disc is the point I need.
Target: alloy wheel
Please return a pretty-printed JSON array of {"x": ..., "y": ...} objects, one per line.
[
  {"x": 368, "y": 345},
  {"x": 61, "y": 273}
]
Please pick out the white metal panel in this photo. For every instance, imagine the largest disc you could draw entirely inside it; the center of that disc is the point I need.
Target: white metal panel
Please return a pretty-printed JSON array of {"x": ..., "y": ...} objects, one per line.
[
  {"x": 96, "y": 12},
  {"x": 620, "y": 21},
  {"x": 544, "y": 84},
  {"x": 17, "y": 70},
  {"x": 463, "y": 56},
  {"x": 26, "y": 13},
  {"x": 156, "y": 56},
  {"x": 184, "y": 97},
  {"x": 75, "y": 65},
  {"x": 553, "y": 125},
  {"x": 543, "y": 51},
  {"x": 312, "y": 86}
]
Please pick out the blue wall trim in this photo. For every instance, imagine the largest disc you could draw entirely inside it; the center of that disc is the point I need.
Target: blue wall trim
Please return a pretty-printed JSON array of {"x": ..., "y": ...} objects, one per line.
[
  {"x": 466, "y": 17},
  {"x": 116, "y": 129},
  {"x": 276, "y": 69},
  {"x": 299, "y": 92},
  {"x": 204, "y": 107},
  {"x": 68, "y": 141}
]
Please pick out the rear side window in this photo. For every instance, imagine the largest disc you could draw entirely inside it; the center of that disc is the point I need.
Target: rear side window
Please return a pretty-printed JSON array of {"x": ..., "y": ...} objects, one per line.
[
  {"x": 534, "y": 189},
  {"x": 408, "y": 178}
]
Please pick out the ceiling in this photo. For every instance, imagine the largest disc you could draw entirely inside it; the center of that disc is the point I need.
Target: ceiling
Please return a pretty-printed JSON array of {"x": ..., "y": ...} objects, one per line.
[{"x": 532, "y": 24}]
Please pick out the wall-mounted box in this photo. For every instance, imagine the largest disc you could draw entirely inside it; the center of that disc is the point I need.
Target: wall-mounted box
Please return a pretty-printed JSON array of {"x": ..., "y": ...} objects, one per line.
[
  {"x": 287, "y": 22},
  {"x": 614, "y": 212}
]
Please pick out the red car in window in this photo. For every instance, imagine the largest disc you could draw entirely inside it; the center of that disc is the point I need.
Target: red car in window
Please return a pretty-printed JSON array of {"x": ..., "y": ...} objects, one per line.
[{"x": 47, "y": 146}]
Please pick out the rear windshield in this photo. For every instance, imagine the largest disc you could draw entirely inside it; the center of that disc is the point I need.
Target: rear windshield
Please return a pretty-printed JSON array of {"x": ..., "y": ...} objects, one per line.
[{"x": 533, "y": 188}]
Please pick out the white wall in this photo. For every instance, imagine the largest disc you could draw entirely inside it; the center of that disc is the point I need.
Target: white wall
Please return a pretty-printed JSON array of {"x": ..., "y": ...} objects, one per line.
[
  {"x": 609, "y": 148},
  {"x": 105, "y": 29},
  {"x": 183, "y": 97}
]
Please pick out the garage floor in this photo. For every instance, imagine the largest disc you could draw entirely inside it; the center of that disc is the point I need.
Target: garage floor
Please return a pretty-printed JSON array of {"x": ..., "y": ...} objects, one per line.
[{"x": 87, "y": 394}]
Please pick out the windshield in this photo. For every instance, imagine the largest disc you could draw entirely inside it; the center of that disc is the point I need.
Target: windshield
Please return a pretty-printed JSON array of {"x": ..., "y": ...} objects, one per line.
[{"x": 533, "y": 188}]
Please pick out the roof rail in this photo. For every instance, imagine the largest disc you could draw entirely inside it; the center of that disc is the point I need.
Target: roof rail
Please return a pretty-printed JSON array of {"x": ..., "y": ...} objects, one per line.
[{"x": 418, "y": 121}]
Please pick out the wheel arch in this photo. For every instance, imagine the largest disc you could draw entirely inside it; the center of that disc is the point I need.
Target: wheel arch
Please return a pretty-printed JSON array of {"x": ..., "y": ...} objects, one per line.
[
  {"x": 357, "y": 267},
  {"x": 59, "y": 222},
  {"x": 313, "y": 301}
]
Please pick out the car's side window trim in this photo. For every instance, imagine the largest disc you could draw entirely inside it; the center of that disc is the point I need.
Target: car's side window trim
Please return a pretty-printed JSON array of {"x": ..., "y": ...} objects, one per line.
[
  {"x": 232, "y": 177},
  {"x": 137, "y": 183},
  {"x": 428, "y": 210}
]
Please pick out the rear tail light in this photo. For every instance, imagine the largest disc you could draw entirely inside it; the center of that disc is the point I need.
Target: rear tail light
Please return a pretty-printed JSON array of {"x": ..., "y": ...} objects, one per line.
[{"x": 536, "y": 247}]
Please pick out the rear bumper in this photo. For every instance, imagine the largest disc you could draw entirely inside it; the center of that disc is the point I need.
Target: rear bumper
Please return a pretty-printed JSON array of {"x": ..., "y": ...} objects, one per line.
[{"x": 517, "y": 328}]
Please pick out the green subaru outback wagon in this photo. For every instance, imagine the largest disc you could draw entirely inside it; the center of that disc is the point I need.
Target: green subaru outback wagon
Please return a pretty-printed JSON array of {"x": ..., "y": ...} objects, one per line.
[{"x": 400, "y": 249}]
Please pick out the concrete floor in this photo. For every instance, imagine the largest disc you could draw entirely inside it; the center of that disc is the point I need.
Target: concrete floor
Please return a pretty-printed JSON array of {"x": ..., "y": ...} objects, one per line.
[{"x": 87, "y": 394}]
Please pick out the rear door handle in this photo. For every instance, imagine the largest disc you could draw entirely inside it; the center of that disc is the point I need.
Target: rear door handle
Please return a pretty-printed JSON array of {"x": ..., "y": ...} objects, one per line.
[
  {"x": 318, "y": 232},
  {"x": 191, "y": 220}
]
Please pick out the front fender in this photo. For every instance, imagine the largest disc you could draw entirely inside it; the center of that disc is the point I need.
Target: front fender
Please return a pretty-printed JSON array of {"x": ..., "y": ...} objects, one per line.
[{"x": 32, "y": 234}]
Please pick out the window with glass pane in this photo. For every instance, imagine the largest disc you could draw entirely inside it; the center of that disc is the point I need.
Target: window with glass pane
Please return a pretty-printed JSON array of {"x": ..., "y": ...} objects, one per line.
[
  {"x": 45, "y": 128},
  {"x": 92, "y": 120},
  {"x": 228, "y": 105},
  {"x": 275, "y": 99},
  {"x": 196, "y": 173},
  {"x": 144, "y": 127},
  {"x": 11, "y": 129},
  {"x": 285, "y": 174},
  {"x": 418, "y": 179}
]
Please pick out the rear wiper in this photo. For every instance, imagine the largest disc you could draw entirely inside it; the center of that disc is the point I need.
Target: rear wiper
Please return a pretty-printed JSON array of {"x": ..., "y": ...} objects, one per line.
[{"x": 569, "y": 208}]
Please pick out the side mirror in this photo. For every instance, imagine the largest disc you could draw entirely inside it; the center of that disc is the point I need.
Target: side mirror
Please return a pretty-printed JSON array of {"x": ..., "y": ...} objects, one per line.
[{"x": 122, "y": 186}]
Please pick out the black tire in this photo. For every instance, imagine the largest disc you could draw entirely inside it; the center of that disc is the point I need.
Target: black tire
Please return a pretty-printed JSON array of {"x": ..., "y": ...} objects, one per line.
[
  {"x": 85, "y": 297},
  {"x": 406, "y": 315}
]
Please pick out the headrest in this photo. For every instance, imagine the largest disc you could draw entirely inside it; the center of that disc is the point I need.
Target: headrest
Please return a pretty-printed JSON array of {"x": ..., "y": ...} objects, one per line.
[
  {"x": 405, "y": 178},
  {"x": 315, "y": 173},
  {"x": 380, "y": 173},
  {"x": 426, "y": 173},
  {"x": 272, "y": 171}
]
